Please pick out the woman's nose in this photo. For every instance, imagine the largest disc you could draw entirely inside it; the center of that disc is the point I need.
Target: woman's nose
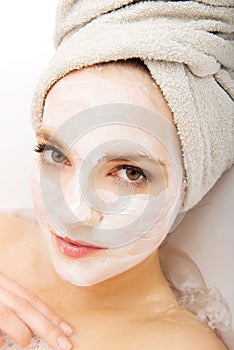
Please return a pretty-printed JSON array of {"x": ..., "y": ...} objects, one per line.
[
  {"x": 88, "y": 215},
  {"x": 94, "y": 218}
]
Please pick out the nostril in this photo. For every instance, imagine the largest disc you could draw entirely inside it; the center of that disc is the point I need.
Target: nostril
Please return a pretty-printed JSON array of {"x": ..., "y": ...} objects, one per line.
[
  {"x": 85, "y": 213},
  {"x": 94, "y": 218}
]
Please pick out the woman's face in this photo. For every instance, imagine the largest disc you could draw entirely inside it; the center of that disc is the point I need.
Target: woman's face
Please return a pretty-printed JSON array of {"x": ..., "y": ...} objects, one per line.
[{"x": 103, "y": 198}]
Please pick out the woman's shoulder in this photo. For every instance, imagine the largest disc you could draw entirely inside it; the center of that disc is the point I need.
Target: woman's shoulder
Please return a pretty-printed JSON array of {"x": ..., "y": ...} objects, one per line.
[
  {"x": 196, "y": 337},
  {"x": 180, "y": 329}
]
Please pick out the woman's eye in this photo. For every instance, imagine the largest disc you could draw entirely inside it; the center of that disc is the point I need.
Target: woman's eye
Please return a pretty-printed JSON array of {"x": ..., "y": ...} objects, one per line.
[
  {"x": 54, "y": 156},
  {"x": 131, "y": 173},
  {"x": 51, "y": 155},
  {"x": 57, "y": 156}
]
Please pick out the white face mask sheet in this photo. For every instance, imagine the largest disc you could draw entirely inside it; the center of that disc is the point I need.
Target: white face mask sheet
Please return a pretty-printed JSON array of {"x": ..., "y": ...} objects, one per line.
[{"x": 130, "y": 226}]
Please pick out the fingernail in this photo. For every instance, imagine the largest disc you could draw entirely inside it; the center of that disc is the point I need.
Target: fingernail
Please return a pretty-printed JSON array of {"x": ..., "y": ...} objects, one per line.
[
  {"x": 64, "y": 343},
  {"x": 66, "y": 328}
]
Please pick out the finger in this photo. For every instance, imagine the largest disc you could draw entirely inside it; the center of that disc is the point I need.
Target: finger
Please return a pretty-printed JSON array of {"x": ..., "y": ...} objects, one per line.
[
  {"x": 1, "y": 341},
  {"x": 13, "y": 327},
  {"x": 11, "y": 285},
  {"x": 38, "y": 323}
]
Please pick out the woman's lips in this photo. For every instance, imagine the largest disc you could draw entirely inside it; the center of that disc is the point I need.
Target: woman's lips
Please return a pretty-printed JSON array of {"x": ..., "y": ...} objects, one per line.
[{"x": 74, "y": 249}]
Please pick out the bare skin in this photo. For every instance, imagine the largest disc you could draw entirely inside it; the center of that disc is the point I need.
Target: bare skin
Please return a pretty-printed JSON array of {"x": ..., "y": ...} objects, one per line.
[
  {"x": 133, "y": 310},
  {"x": 122, "y": 319}
]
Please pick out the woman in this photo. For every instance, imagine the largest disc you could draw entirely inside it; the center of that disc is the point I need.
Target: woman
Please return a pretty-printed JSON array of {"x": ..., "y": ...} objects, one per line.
[{"x": 122, "y": 293}]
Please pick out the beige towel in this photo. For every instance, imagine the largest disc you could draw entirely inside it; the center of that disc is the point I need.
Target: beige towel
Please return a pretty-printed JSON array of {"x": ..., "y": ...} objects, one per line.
[{"x": 188, "y": 49}]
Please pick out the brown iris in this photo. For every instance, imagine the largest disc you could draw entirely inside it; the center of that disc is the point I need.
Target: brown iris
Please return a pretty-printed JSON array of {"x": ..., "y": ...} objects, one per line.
[
  {"x": 58, "y": 157},
  {"x": 132, "y": 173}
]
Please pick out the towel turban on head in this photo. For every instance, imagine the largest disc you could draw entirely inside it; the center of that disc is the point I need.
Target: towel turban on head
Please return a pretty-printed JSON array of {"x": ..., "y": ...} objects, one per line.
[{"x": 188, "y": 49}]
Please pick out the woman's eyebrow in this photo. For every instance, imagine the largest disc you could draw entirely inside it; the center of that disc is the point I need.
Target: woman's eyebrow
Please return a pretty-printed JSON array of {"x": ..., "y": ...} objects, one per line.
[
  {"x": 120, "y": 156},
  {"x": 132, "y": 157},
  {"x": 52, "y": 139}
]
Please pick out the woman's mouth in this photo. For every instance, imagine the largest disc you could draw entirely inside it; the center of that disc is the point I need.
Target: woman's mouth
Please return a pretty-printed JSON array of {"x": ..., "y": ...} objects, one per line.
[{"x": 74, "y": 249}]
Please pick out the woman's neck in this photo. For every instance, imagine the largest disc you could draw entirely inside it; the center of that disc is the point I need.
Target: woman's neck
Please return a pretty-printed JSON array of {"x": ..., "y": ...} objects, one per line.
[{"x": 142, "y": 285}]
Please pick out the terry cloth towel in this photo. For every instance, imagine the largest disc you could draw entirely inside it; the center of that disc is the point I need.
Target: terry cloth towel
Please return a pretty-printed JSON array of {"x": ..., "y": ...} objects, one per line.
[{"x": 188, "y": 49}]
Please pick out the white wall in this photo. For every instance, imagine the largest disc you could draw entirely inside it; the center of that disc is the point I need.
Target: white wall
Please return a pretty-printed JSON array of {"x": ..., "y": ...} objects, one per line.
[{"x": 26, "y": 29}]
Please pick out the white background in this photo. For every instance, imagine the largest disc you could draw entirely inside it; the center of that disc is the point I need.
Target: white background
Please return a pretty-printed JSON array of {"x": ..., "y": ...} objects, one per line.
[{"x": 26, "y": 29}]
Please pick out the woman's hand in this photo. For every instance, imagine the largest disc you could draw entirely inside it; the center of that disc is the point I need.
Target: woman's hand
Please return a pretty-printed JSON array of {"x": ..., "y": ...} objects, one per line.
[{"x": 22, "y": 313}]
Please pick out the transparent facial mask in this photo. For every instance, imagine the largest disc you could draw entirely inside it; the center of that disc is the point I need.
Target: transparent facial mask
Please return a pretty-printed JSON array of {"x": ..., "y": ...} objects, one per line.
[{"x": 130, "y": 226}]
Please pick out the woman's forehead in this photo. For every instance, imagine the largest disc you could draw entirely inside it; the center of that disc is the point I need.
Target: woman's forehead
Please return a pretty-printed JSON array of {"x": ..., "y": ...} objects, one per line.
[{"x": 102, "y": 84}]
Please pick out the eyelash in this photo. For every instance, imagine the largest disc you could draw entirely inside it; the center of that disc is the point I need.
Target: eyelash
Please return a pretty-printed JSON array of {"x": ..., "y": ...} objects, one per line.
[
  {"x": 42, "y": 147},
  {"x": 136, "y": 183}
]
